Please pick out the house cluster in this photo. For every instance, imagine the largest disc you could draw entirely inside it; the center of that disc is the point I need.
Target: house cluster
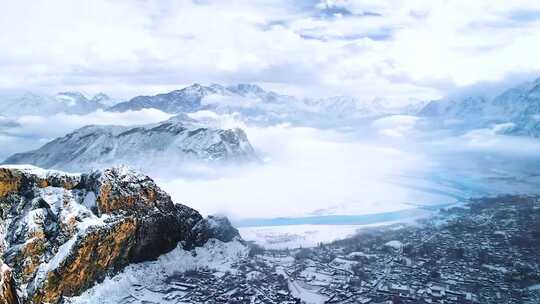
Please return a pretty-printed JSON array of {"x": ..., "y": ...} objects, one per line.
[{"x": 482, "y": 252}]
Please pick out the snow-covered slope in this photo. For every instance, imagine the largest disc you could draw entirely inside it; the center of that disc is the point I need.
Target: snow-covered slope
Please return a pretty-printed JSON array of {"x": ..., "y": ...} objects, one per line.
[
  {"x": 167, "y": 143},
  {"x": 468, "y": 108},
  {"x": 185, "y": 100},
  {"x": 34, "y": 104},
  {"x": 104, "y": 100},
  {"x": 62, "y": 233},
  {"x": 517, "y": 108},
  {"x": 154, "y": 281},
  {"x": 254, "y": 104}
]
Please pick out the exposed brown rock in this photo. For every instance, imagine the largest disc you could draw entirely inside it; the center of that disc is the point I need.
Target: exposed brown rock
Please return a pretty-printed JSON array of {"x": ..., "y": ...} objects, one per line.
[
  {"x": 64, "y": 233},
  {"x": 31, "y": 255},
  {"x": 8, "y": 292},
  {"x": 10, "y": 182},
  {"x": 96, "y": 254},
  {"x": 117, "y": 195}
]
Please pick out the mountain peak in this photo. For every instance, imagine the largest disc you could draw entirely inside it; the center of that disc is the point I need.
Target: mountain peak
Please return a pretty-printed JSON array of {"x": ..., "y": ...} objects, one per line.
[
  {"x": 73, "y": 94},
  {"x": 246, "y": 88},
  {"x": 99, "y": 97},
  {"x": 195, "y": 87}
]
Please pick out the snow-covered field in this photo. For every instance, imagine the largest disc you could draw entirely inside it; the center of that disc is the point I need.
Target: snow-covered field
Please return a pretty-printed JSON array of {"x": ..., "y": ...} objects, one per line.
[{"x": 295, "y": 236}]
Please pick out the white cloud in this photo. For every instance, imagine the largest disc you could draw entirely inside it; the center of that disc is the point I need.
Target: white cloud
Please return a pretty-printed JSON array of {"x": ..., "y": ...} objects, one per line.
[
  {"x": 488, "y": 141},
  {"x": 306, "y": 171},
  {"x": 320, "y": 172},
  {"x": 393, "y": 49},
  {"x": 59, "y": 124},
  {"x": 30, "y": 132},
  {"x": 395, "y": 125}
]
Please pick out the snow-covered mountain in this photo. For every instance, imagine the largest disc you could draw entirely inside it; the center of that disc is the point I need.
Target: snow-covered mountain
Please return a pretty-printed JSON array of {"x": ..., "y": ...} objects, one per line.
[
  {"x": 517, "y": 108},
  {"x": 104, "y": 100},
  {"x": 67, "y": 102},
  {"x": 160, "y": 145},
  {"x": 62, "y": 233},
  {"x": 465, "y": 108},
  {"x": 254, "y": 104},
  {"x": 193, "y": 98},
  {"x": 178, "y": 101}
]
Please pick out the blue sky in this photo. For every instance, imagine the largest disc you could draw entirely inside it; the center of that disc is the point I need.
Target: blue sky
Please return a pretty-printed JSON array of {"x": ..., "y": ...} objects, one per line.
[{"x": 390, "y": 49}]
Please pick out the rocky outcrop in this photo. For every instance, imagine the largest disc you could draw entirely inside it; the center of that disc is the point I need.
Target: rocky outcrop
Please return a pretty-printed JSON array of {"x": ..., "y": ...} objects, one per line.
[
  {"x": 62, "y": 233},
  {"x": 8, "y": 293},
  {"x": 216, "y": 227}
]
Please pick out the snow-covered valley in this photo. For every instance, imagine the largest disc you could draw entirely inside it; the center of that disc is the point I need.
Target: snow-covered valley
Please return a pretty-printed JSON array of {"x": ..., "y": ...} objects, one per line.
[
  {"x": 324, "y": 167},
  {"x": 319, "y": 185}
]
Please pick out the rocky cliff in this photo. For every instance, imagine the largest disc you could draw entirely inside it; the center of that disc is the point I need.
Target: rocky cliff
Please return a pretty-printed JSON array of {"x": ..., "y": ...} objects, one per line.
[{"x": 63, "y": 233}]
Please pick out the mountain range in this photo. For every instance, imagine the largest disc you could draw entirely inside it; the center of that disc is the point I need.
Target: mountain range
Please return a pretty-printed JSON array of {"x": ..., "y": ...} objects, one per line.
[
  {"x": 256, "y": 105},
  {"x": 163, "y": 144},
  {"x": 516, "y": 111},
  {"x": 253, "y": 103},
  {"x": 29, "y": 103},
  {"x": 519, "y": 106}
]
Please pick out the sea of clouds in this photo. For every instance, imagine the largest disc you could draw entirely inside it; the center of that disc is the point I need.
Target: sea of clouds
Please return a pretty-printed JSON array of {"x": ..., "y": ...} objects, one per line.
[{"x": 387, "y": 164}]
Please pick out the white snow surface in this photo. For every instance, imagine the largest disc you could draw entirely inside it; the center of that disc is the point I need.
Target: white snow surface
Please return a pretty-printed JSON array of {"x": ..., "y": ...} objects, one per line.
[
  {"x": 145, "y": 282},
  {"x": 296, "y": 236},
  {"x": 153, "y": 146},
  {"x": 394, "y": 244},
  {"x": 66, "y": 207},
  {"x": 28, "y": 103},
  {"x": 307, "y": 293},
  {"x": 37, "y": 171}
]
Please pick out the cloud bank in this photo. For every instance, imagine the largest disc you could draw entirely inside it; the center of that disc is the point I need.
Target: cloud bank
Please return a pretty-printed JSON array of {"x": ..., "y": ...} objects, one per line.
[{"x": 393, "y": 49}]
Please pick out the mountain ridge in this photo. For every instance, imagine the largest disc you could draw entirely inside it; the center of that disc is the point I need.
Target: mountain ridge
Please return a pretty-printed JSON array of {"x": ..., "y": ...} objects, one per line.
[
  {"x": 62, "y": 233},
  {"x": 175, "y": 140},
  {"x": 518, "y": 106},
  {"x": 70, "y": 102}
]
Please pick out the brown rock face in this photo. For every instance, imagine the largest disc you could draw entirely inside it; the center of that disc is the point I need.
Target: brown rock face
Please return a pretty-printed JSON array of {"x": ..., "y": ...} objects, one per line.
[
  {"x": 92, "y": 257},
  {"x": 8, "y": 292},
  {"x": 120, "y": 195},
  {"x": 9, "y": 182},
  {"x": 63, "y": 233}
]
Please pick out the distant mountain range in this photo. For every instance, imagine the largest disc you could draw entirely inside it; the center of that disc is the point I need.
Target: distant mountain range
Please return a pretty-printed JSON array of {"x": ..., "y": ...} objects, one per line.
[
  {"x": 519, "y": 106},
  {"x": 516, "y": 109},
  {"x": 66, "y": 102},
  {"x": 515, "y": 112},
  {"x": 167, "y": 143},
  {"x": 250, "y": 101},
  {"x": 256, "y": 105}
]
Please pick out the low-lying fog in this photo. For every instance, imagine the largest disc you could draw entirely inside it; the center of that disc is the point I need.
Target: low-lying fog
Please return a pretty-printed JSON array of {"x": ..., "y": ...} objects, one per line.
[
  {"x": 386, "y": 165},
  {"x": 379, "y": 166}
]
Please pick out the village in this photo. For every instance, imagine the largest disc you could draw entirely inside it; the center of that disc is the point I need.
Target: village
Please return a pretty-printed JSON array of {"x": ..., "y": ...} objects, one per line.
[{"x": 483, "y": 252}]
